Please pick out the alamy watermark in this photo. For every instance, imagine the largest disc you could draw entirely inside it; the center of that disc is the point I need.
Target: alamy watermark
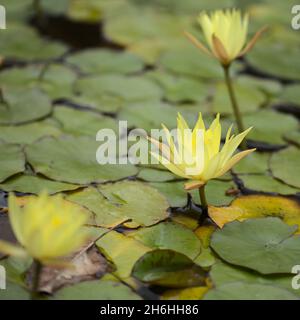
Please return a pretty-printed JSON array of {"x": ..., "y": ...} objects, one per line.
[
  {"x": 295, "y": 22},
  {"x": 2, "y": 278}
]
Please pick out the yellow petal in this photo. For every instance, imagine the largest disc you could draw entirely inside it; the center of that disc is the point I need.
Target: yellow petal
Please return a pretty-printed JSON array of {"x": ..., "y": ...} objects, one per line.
[
  {"x": 220, "y": 51},
  {"x": 236, "y": 158}
]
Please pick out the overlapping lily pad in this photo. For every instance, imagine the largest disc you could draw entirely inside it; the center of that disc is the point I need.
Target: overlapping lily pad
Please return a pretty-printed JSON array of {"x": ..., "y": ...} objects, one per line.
[
  {"x": 172, "y": 236},
  {"x": 133, "y": 203}
]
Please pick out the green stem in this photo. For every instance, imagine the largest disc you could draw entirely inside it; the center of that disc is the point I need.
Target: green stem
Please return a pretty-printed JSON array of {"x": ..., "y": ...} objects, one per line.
[
  {"x": 203, "y": 200},
  {"x": 38, "y": 11},
  {"x": 37, "y": 269},
  {"x": 235, "y": 106}
]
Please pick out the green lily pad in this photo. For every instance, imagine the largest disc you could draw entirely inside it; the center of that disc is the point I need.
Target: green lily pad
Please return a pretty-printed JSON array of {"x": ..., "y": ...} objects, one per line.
[
  {"x": 23, "y": 43},
  {"x": 180, "y": 88},
  {"x": 293, "y": 137},
  {"x": 154, "y": 175},
  {"x": 102, "y": 61},
  {"x": 190, "y": 61},
  {"x": 147, "y": 33},
  {"x": 266, "y": 183},
  {"x": 172, "y": 236},
  {"x": 245, "y": 291},
  {"x": 28, "y": 133},
  {"x": 35, "y": 184},
  {"x": 127, "y": 88},
  {"x": 285, "y": 166},
  {"x": 82, "y": 122},
  {"x": 223, "y": 273},
  {"x": 168, "y": 268},
  {"x": 96, "y": 290},
  {"x": 269, "y": 126},
  {"x": 256, "y": 162},
  {"x": 267, "y": 86},
  {"x": 291, "y": 94},
  {"x": 23, "y": 105},
  {"x": 278, "y": 64},
  {"x": 248, "y": 96},
  {"x": 73, "y": 160},
  {"x": 12, "y": 160},
  {"x": 57, "y": 81},
  {"x": 122, "y": 251},
  {"x": 117, "y": 203},
  {"x": 177, "y": 196},
  {"x": 266, "y": 245},
  {"x": 14, "y": 292}
]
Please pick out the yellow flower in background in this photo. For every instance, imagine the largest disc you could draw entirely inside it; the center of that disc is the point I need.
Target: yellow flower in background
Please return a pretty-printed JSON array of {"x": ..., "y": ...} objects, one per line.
[
  {"x": 225, "y": 32},
  {"x": 196, "y": 154},
  {"x": 48, "y": 228}
]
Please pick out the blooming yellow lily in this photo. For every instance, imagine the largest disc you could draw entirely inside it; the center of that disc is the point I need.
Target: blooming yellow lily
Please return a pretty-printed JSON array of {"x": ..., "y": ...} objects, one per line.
[
  {"x": 47, "y": 228},
  {"x": 196, "y": 155},
  {"x": 225, "y": 32}
]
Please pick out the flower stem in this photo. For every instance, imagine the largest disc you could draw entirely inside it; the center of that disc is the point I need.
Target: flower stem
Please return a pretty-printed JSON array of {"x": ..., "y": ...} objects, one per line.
[
  {"x": 203, "y": 200},
  {"x": 235, "y": 106},
  {"x": 37, "y": 269}
]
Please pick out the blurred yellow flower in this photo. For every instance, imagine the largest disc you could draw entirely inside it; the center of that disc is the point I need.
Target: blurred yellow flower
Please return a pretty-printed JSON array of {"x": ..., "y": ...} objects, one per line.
[
  {"x": 47, "y": 227},
  {"x": 195, "y": 154},
  {"x": 225, "y": 32}
]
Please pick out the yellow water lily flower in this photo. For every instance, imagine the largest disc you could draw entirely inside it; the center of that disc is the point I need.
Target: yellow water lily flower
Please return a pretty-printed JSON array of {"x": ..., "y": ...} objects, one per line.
[
  {"x": 48, "y": 228},
  {"x": 196, "y": 154},
  {"x": 225, "y": 32}
]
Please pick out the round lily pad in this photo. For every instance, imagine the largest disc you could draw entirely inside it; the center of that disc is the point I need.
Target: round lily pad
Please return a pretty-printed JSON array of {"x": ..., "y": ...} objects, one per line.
[
  {"x": 286, "y": 167},
  {"x": 127, "y": 88},
  {"x": 256, "y": 162},
  {"x": 266, "y": 245},
  {"x": 21, "y": 105},
  {"x": 73, "y": 159},
  {"x": 101, "y": 61}
]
